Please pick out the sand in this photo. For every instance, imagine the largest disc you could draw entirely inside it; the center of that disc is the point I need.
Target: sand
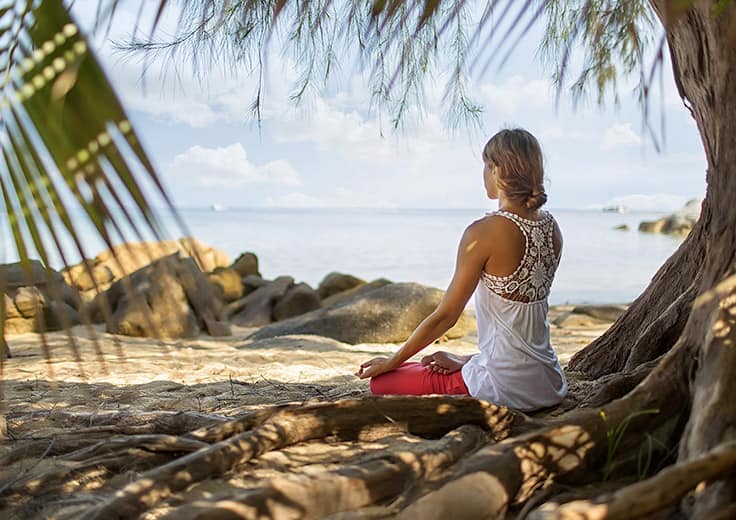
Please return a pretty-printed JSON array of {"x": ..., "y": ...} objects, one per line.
[{"x": 218, "y": 376}]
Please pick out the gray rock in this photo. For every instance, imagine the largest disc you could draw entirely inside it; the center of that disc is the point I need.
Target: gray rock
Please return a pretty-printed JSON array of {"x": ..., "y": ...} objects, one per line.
[
  {"x": 335, "y": 283},
  {"x": 298, "y": 300},
  {"x": 59, "y": 315},
  {"x": 170, "y": 298},
  {"x": 601, "y": 312},
  {"x": 246, "y": 264},
  {"x": 388, "y": 314},
  {"x": 256, "y": 309},
  {"x": 158, "y": 307},
  {"x": 354, "y": 292},
  {"x": 14, "y": 275},
  {"x": 252, "y": 282},
  {"x": 227, "y": 283}
]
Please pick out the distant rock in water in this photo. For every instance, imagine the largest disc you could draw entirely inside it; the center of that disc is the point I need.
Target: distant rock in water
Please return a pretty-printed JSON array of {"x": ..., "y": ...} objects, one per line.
[
  {"x": 387, "y": 314},
  {"x": 679, "y": 223},
  {"x": 622, "y": 227}
]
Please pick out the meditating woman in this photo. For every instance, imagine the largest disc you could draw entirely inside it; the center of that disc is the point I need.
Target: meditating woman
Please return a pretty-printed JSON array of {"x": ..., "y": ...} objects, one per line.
[{"x": 509, "y": 258}]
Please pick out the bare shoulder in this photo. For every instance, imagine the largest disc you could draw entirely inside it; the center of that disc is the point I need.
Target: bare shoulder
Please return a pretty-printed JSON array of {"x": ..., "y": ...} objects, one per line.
[{"x": 491, "y": 229}]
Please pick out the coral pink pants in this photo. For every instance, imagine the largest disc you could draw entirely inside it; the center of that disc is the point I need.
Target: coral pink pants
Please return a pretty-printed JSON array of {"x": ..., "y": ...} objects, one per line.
[{"x": 416, "y": 379}]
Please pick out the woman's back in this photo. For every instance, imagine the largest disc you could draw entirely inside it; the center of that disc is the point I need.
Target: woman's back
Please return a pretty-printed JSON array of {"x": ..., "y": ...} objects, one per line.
[{"x": 517, "y": 365}]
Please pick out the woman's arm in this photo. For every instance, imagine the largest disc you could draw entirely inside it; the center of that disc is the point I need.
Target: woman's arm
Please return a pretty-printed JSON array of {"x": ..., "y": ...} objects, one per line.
[{"x": 471, "y": 257}]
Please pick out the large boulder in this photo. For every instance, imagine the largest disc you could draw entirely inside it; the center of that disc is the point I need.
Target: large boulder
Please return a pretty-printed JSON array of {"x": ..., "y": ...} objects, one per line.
[
  {"x": 246, "y": 264},
  {"x": 124, "y": 259},
  {"x": 679, "y": 223},
  {"x": 354, "y": 292},
  {"x": 170, "y": 298},
  {"x": 299, "y": 299},
  {"x": 335, "y": 283},
  {"x": 388, "y": 314},
  {"x": 256, "y": 309}
]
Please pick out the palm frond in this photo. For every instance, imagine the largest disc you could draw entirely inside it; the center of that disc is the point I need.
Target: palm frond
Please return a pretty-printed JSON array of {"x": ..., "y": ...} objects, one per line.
[{"x": 66, "y": 144}]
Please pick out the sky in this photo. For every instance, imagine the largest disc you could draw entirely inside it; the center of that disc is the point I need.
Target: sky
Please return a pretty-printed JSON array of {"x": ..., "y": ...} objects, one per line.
[{"x": 334, "y": 151}]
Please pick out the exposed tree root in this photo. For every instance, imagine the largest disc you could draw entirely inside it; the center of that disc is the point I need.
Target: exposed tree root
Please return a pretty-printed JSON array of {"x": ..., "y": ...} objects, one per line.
[
  {"x": 497, "y": 476},
  {"x": 431, "y": 416},
  {"x": 617, "y": 385},
  {"x": 644, "y": 498},
  {"x": 348, "y": 488}
]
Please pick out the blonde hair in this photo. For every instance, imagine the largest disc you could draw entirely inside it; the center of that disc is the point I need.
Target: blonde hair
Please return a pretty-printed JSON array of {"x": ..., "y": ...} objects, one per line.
[{"x": 520, "y": 174}]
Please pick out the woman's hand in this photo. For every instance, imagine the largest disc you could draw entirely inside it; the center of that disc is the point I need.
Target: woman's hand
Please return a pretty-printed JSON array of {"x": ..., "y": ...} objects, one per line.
[{"x": 375, "y": 367}]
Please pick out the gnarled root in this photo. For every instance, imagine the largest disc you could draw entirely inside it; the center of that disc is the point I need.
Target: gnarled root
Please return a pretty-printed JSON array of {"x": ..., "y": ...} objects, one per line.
[
  {"x": 430, "y": 416},
  {"x": 644, "y": 498},
  {"x": 348, "y": 488}
]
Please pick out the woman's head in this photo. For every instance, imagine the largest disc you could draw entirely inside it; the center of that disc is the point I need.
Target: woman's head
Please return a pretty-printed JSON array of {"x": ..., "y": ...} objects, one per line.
[{"x": 514, "y": 157}]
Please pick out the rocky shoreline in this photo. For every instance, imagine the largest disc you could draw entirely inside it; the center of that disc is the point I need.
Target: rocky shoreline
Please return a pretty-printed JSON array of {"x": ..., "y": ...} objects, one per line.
[{"x": 184, "y": 288}]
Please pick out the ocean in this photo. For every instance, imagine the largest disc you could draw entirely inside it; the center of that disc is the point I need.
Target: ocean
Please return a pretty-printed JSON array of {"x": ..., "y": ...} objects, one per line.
[{"x": 599, "y": 264}]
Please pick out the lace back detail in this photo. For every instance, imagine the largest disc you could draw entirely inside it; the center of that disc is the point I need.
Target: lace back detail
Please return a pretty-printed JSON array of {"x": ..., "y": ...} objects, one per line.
[{"x": 532, "y": 279}]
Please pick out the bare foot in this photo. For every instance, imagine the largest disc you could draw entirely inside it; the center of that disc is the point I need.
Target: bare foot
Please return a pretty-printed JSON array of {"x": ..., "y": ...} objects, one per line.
[{"x": 444, "y": 362}]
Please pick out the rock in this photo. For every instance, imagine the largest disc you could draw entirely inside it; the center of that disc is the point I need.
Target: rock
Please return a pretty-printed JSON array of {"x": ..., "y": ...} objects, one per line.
[
  {"x": 218, "y": 328},
  {"x": 14, "y": 275},
  {"x": 335, "y": 283},
  {"x": 125, "y": 259},
  {"x": 29, "y": 301},
  {"x": 10, "y": 310},
  {"x": 21, "y": 325},
  {"x": 572, "y": 320},
  {"x": 298, "y": 300},
  {"x": 654, "y": 226},
  {"x": 622, "y": 227},
  {"x": 86, "y": 278},
  {"x": 256, "y": 309},
  {"x": 38, "y": 307},
  {"x": 227, "y": 283},
  {"x": 252, "y": 282},
  {"x": 170, "y": 298},
  {"x": 601, "y": 312},
  {"x": 246, "y": 264},
  {"x": 679, "y": 223},
  {"x": 59, "y": 315},
  {"x": 388, "y": 314},
  {"x": 158, "y": 307},
  {"x": 355, "y": 291}
]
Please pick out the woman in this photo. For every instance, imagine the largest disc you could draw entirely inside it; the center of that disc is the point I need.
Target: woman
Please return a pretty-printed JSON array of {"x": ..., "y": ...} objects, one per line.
[{"x": 514, "y": 253}]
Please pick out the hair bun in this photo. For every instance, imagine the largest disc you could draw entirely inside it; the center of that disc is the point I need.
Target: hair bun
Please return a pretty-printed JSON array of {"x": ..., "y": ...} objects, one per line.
[{"x": 536, "y": 199}]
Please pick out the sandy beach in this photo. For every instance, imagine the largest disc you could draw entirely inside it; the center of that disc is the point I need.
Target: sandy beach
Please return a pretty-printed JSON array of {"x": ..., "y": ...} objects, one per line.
[
  {"x": 103, "y": 387},
  {"x": 206, "y": 374}
]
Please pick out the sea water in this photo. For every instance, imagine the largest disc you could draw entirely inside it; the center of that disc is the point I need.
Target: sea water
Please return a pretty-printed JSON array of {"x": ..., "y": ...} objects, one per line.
[{"x": 599, "y": 264}]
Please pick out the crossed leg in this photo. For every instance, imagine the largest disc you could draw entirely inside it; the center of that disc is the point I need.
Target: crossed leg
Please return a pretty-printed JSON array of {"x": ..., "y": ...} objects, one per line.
[{"x": 417, "y": 379}]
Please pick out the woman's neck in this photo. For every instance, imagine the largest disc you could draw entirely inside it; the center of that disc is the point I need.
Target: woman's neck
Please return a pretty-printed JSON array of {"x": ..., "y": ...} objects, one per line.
[{"x": 512, "y": 206}]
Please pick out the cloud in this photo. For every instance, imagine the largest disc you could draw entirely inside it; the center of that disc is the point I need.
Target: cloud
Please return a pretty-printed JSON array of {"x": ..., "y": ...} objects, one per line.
[
  {"x": 230, "y": 166},
  {"x": 620, "y": 135},
  {"x": 514, "y": 94}
]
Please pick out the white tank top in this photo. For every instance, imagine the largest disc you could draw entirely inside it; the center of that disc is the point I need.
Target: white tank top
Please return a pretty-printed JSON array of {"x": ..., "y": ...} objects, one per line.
[{"x": 517, "y": 366}]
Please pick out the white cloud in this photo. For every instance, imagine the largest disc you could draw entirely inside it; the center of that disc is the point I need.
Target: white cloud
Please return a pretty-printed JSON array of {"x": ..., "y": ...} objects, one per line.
[
  {"x": 514, "y": 94},
  {"x": 620, "y": 135},
  {"x": 229, "y": 166}
]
